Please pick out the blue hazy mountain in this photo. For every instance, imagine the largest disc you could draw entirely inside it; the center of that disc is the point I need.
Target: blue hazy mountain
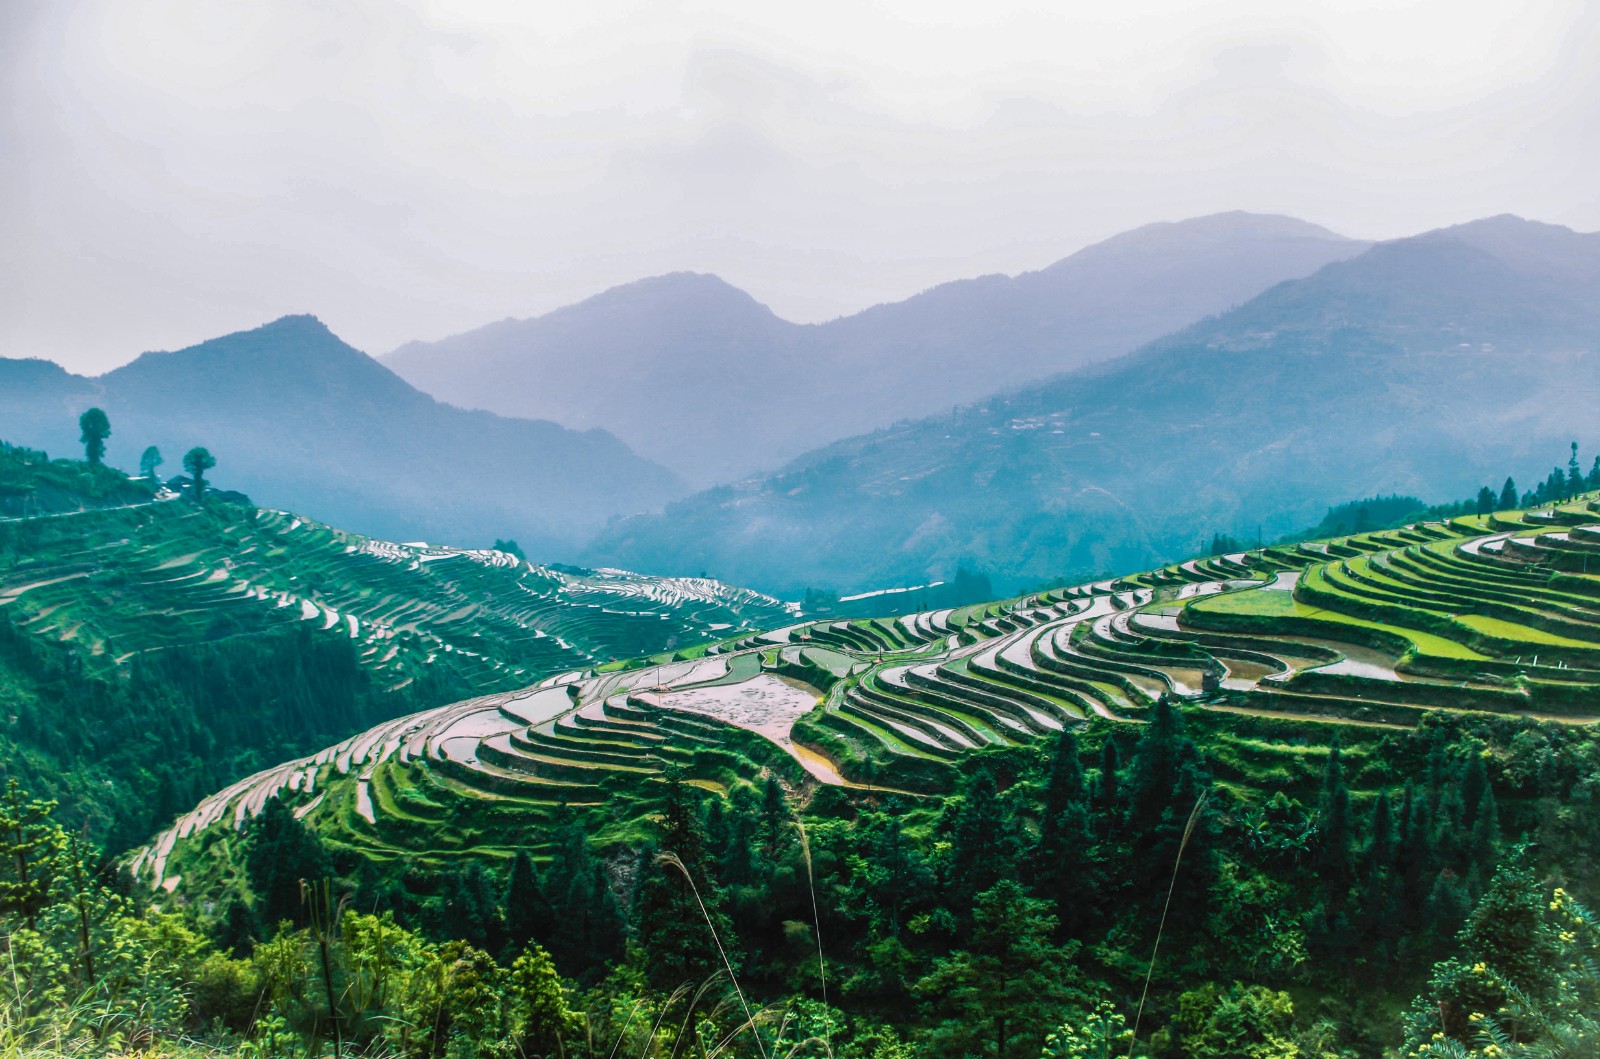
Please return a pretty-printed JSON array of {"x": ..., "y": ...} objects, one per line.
[
  {"x": 299, "y": 419},
  {"x": 698, "y": 375},
  {"x": 1425, "y": 366}
]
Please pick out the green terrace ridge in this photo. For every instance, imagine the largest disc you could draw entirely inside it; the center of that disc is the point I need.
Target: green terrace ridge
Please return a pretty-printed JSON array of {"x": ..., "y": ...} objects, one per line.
[
  {"x": 153, "y": 649},
  {"x": 180, "y": 574},
  {"x": 1269, "y": 650}
]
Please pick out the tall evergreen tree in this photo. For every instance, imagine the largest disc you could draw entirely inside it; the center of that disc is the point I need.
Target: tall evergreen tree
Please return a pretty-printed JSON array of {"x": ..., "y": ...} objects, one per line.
[
  {"x": 27, "y": 845},
  {"x": 1062, "y": 856},
  {"x": 1508, "y": 494},
  {"x": 280, "y": 851},
  {"x": 1334, "y": 859},
  {"x": 1486, "y": 500},
  {"x": 1153, "y": 774},
  {"x": 468, "y": 910},
  {"x": 1107, "y": 799},
  {"x": 93, "y": 429},
  {"x": 586, "y": 925},
  {"x": 1416, "y": 859},
  {"x": 983, "y": 847},
  {"x": 775, "y": 818},
  {"x": 197, "y": 461},
  {"x": 149, "y": 460},
  {"x": 680, "y": 913},
  {"x": 526, "y": 905}
]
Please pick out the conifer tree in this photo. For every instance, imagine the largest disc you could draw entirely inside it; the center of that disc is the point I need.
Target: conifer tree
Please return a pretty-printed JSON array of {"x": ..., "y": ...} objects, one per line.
[
  {"x": 93, "y": 429},
  {"x": 1486, "y": 500},
  {"x": 468, "y": 910},
  {"x": 149, "y": 460},
  {"x": 280, "y": 851},
  {"x": 982, "y": 841},
  {"x": 1508, "y": 493},
  {"x": 1154, "y": 772},
  {"x": 1334, "y": 858},
  {"x": 27, "y": 844},
  {"x": 775, "y": 819},
  {"x": 679, "y": 914},
  {"x": 526, "y": 904},
  {"x": 586, "y": 924},
  {"x": 1509, "y": 931},
  {"x": 1061, "y": 858},
  {"x": 1416, "y": 861},
  {"x": 1107, "y": 801},
  {"x": 197, "y": 461}
]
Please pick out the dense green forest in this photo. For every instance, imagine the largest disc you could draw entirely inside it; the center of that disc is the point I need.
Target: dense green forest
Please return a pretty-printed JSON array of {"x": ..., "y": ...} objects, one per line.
[{"x": 1071, "y": 892}]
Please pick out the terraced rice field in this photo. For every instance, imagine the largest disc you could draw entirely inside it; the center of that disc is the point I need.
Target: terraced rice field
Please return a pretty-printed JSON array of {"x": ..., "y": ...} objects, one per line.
[
  {"x": 1492, "y": 615},
  {"x": 121, "y": 581}
]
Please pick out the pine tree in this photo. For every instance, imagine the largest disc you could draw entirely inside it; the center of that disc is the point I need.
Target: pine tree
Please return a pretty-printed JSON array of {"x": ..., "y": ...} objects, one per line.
[
  {"x": 1416, "y": 859},
  {"x": 280, "y": 851},
  {"x": 586, "y": 925},
  {"x": 1509, "y": 931},
  {"x": 1508, "y": 493},
  {"x": 1062, "y": 858},
  {"x": 93, "y": 429},
  {"x": 1485, "y": 843},
  {"x": 1154, "y": 772},
  {"x": 468, "y": 910},
  {"x": 1378, "y": 882},
  {"x": 1064, "y": 784},
  {"x": 1486, "y": 500},
  {"x": 1334, "y": 857},
  {"x": 775, "y": 818},
  {"x": 983, "y": 844},
  {"x": 526, "y": 905},
  {"x": 1574, "y": 474},
  {"x": 679, "y": 914},
  {"x": 1107, "y": 799},
  {"x": 149, "y": 460},
  {"x": 28, "y": 842}
]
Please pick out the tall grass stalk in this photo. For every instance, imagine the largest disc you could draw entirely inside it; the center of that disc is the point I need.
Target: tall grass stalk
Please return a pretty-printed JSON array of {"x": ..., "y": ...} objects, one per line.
[
  {"x": 816, "y": 924},
  {"x": 1188, "y": 830},
  {"x": 672, "y": 859}
]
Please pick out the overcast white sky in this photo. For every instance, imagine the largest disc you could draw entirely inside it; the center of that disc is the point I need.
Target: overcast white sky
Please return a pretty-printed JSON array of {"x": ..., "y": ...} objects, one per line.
[{"x": 171, "y": 170}]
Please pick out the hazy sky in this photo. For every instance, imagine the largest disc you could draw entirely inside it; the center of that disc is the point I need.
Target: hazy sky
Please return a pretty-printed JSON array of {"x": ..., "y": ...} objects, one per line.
[{"x": 171, "y": 170}]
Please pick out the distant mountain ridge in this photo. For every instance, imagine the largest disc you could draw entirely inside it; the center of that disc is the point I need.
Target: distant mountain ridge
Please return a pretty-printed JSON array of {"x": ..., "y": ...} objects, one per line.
[
  {"x": 1426, "y": 365},
  {"x": 299, "y": 419},
  {"x": 697, "y": 374}
]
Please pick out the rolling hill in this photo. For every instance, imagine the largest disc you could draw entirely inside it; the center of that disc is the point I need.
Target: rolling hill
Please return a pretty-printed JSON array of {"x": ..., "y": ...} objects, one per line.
[
  {"x": 698, "y": 375},
  {"x": 1426, "y": 366},
  {"x": 300, "y": 420}
]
